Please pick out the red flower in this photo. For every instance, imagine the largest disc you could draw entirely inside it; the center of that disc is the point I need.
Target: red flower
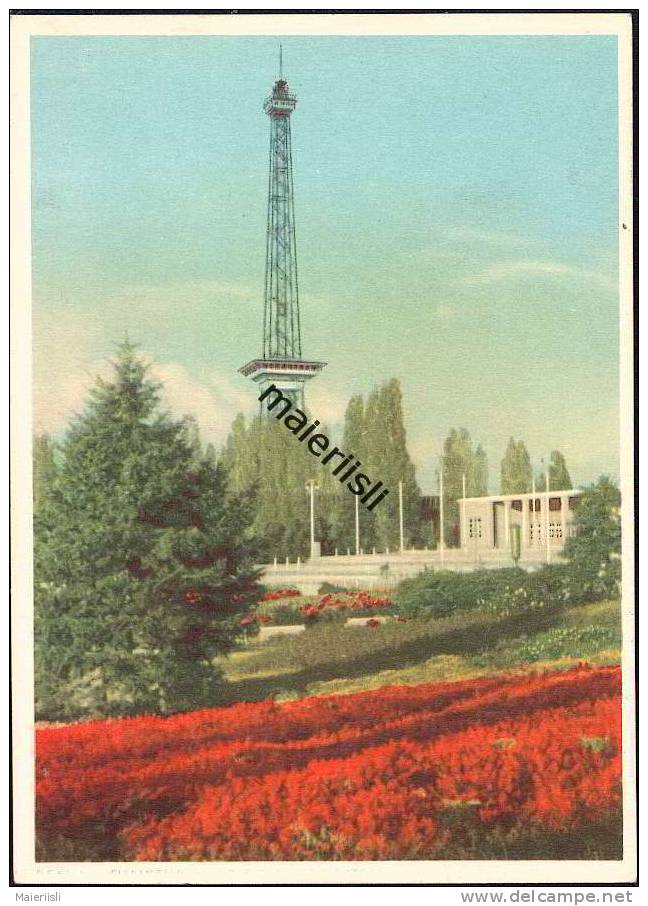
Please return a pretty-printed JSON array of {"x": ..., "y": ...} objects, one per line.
[
  {"x": 280, "y": 593},
  {"x": 393, "y": 773}
]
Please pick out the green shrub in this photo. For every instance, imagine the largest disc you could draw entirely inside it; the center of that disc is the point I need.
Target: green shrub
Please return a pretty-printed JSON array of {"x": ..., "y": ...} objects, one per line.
[
  {"x": 439, "y": 594},
  {"x": 502, "y": 592}
]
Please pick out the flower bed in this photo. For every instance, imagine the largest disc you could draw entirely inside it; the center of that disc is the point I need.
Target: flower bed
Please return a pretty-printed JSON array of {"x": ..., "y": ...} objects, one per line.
[
  {"x": 399, "y": 772},
  {"x": 279, "y": 594},
  {"x": 282, "y": 611}
]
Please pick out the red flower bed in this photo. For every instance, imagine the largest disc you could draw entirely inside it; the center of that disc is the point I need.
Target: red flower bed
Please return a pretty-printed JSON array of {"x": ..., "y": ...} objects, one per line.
[
  {"x": 393, "y": 773},
  {"x": 350, "y": 600},
  {"x": 280, "y": 593}
]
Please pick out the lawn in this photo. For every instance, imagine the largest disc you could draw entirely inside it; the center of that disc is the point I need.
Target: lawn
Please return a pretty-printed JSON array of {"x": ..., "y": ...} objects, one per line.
[{"x": 328, "y": 658}]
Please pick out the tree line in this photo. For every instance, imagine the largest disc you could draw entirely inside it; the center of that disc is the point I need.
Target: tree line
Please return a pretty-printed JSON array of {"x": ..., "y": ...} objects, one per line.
[
  {"x": 261, "y": 457},
  {"x": 264, "y": 464}
]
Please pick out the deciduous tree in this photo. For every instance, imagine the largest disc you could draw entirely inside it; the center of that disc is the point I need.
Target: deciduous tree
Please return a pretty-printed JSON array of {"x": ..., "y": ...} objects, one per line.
[
  {"x": 595, "y": 550},
  {"x": 516, "y": 471}
]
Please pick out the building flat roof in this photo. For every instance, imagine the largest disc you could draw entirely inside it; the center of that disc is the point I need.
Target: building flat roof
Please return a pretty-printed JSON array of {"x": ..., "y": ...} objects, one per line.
[{"x": 573, "y": 492}]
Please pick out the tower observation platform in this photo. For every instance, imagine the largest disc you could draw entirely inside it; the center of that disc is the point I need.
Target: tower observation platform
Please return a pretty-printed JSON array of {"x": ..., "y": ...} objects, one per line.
[{"x": 281, "y": 362}]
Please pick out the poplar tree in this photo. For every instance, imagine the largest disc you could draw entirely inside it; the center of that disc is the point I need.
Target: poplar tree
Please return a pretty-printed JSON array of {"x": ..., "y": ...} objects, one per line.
[
  {"x": 480, "y": 473},
  {"x": 387, "y": 459},
  {"x": 143, "y": 563},
  {"x": 515, "y": 470},
  {"x": 461, "y": 462},
  {"x": 265, "y": 459},
  {"x": 559, "y": 477},
  {"x": 342, "y": 502}
]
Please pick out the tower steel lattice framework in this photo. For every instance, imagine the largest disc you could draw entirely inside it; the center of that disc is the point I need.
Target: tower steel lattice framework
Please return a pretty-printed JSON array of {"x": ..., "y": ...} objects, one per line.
[
  {"x": 281, "y": 328},
  {"x": 281, "y": 363}
]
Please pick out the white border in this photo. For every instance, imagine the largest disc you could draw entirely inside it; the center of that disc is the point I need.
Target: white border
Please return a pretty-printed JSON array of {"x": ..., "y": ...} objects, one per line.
[{"x": 27, "y": 871}]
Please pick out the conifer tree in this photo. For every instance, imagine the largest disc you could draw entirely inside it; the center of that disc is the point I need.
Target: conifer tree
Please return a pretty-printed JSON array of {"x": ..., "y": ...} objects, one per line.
[
  {"x": 143, "y": 563},
  {"x": 44, "y": 466}
]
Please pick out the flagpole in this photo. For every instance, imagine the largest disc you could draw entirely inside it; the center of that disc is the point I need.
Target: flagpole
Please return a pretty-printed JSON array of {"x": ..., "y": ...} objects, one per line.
[
  {"x": 547, "y": 514},
  {"x": 441, "y": 543},
  {"x": 357, "y": 526},
  {"x": 463, "y": 510},
  {"x": 311, "y": 486}
]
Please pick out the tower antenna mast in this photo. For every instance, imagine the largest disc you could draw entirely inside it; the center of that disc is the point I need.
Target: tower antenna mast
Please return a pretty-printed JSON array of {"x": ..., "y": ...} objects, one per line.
[{"x": 281, "y": 363}]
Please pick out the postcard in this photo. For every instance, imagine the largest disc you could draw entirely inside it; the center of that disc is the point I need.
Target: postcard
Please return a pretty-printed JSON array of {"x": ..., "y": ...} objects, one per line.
[{"x": 323, "y": 475}]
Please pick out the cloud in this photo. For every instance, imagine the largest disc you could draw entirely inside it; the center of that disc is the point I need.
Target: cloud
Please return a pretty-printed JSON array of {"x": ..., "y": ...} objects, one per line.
[
  {"x": 65, "y": 365},
  {"x": 507, "y": 270},
  {"x": 68, "y": 360},
  {"x": 326, "y": 405},
  {"x": 213, "y": 400},
  {"x": 482, "y": 236}
]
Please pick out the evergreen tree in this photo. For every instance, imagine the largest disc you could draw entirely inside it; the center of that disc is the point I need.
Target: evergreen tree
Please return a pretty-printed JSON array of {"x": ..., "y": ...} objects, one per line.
[
  {"x": 44, "y": 466},
  {"x": 143, "y": 562},
  {"x": 516, "y": 470}
]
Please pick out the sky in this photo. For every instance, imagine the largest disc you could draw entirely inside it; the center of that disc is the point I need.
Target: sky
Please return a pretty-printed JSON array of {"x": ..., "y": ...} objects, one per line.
[{"x": 456, "y": 214}]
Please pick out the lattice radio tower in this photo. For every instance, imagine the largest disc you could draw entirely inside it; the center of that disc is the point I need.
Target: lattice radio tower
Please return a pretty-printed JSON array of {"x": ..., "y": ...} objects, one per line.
[{"x": 282, "y": 363}]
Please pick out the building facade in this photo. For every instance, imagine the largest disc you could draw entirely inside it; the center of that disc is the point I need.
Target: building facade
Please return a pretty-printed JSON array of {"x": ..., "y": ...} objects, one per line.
[{"x": 529, "y": 526}]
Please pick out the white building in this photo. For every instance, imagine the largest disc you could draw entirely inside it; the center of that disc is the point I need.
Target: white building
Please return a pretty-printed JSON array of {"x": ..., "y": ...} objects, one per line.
[{"x": 542, "y": 521}]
